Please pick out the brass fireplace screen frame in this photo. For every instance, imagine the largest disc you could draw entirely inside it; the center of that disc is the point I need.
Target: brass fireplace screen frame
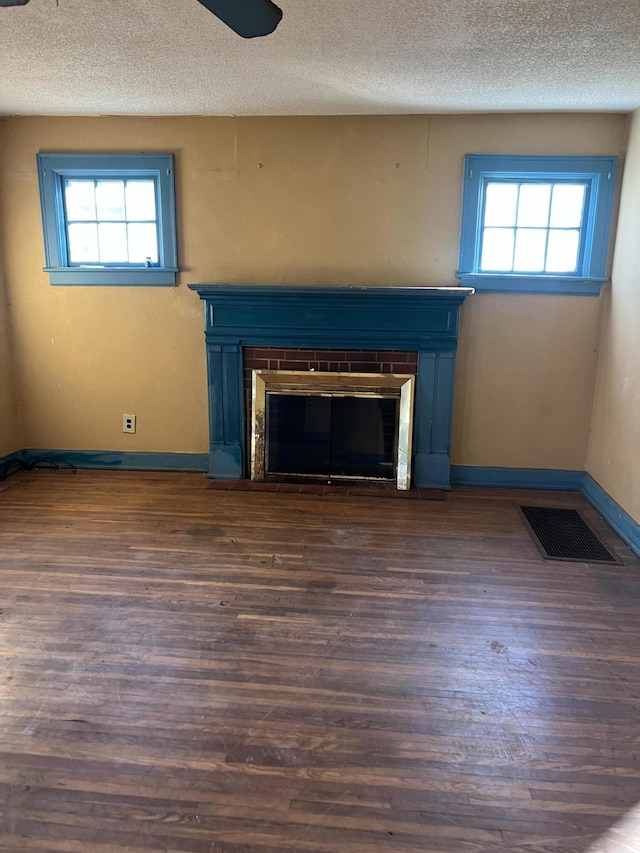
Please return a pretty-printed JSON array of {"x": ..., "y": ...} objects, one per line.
[{"x": 325, "y": 384}]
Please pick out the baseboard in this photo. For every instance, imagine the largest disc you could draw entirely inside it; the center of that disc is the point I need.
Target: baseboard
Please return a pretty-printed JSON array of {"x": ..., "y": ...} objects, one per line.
[
  {"x": 627, "y": 528},
  {"x": 516, "y": 478},
  {"x": 6, "y": 468},
  {"x": 461, "y": 475},
  {"x": 624, "y": 525},
  {"x": 124, "y": 461},
  {"x": 17, "y": 454}
]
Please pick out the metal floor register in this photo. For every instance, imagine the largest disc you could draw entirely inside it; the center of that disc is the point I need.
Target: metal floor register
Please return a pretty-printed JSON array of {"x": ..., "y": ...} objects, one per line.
[{"x": 562, "y": 534}]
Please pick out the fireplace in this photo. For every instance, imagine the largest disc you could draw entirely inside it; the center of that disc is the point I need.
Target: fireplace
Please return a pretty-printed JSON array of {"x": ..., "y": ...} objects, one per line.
[
  {"x": 331, "y": 426},
  {"x": 397, "y": 324}
]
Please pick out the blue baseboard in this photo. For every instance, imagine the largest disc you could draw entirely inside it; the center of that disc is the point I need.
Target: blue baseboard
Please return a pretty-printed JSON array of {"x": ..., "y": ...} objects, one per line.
[
  {"x": 627, "y": 528},
  {"x": 16, "y": 455},
  {"x": 516, "y": 478},
  {"x": 624, "y": 525},
  {"x": 124, "y": 461}
]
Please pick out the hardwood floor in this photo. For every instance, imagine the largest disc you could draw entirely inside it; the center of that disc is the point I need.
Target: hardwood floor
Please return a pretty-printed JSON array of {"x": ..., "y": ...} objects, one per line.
[{"x": 188, "y": 669}]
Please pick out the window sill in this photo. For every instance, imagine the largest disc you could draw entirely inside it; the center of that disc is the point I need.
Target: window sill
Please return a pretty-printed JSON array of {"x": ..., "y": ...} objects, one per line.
[
  {"x": 577, "y": 286},
  {"x": 138, "y": 277}
]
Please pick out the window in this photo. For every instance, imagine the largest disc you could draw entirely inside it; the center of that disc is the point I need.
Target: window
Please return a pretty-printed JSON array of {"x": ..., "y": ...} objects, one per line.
[
  {"x": 536, "y": 224},
  {"x": 108, "y": 218}
]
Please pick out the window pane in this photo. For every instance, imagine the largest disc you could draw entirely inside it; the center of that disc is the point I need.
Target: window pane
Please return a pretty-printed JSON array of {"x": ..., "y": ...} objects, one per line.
[
  {"x": 500, "y": 204},
  {"x": 83, "y": 243},
  {"x": 566, "y": 206},
  {"x": 110, "y": 199},
  {"x": 143, "y": 243},
  {"x": 497, "y": 249},
  {"x": 562, "y": 251},
  {"x": 533, "y": 206},
  {"x": 141, "y": 200},
  {"x": 113, "y": 242},
  {"x": 529, "y": 254},
  {"x": 80, "y": 200}
]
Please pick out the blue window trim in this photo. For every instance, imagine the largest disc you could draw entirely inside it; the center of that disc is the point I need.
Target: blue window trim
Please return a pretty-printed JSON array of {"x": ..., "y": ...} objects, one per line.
[
  {"x": 52, "y": 171},
  {"x": 597, "y": 172}
]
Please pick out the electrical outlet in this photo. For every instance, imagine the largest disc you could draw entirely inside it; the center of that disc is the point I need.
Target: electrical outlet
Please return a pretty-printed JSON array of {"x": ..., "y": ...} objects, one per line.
[{"x": 128, "y": 423}]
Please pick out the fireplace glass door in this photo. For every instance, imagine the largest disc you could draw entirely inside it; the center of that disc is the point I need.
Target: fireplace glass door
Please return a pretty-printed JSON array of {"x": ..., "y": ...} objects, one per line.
[
  {"x": 331, "y": 435},
  {"x": 325, "y": 425}
]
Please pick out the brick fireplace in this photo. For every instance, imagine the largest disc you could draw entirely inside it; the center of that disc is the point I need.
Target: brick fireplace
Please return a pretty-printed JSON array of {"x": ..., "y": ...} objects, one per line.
[{"x": 335, "y": 329}]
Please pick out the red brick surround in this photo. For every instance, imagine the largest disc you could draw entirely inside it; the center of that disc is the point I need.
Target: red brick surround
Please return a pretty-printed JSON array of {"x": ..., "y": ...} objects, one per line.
[{"x": 342, "y": 361}]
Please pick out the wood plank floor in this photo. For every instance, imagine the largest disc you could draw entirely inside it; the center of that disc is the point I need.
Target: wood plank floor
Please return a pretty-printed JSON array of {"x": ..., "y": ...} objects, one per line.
[{"x": 186, "y": 669}]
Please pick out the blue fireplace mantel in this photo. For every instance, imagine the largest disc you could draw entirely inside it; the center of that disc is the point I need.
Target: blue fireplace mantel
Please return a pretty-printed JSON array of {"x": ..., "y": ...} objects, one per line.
[{"x": 422, "y": 319}]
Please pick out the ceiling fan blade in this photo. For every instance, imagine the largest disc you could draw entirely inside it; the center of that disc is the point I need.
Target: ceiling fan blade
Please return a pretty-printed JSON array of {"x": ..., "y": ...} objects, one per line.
[
  {"x": 13, "y": 2},
  {"x": 248, "y": 18}
]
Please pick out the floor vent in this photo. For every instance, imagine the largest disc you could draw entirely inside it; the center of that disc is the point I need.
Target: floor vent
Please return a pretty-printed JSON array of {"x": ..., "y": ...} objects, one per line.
[{"x": 562, "y": 534}]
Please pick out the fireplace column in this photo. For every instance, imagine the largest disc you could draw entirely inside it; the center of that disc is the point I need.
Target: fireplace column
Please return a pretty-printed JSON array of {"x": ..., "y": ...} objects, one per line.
[
  {"x": 432, "y": 419},
  {"x": 226, "y": 411}
]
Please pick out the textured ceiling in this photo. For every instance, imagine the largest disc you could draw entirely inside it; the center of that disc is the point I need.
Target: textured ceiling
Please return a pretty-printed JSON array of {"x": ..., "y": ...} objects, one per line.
[{"x": 172, "y": 57}]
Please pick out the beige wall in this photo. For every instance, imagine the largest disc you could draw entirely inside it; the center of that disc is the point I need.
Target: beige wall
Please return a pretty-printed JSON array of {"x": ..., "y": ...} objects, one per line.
[
  {"x": 9, "y": 432},
  {"x": 346, "y": 200},
  {"x": 614, "y": 449}
]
